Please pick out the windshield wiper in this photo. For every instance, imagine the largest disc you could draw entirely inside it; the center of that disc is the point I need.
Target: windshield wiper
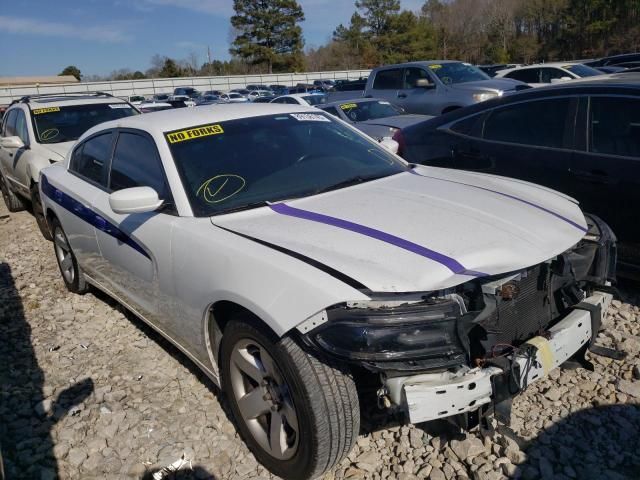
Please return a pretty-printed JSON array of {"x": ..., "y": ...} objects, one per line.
[
  {"x": 348, "y": 182},
  {"x": 240, "y": 208}
]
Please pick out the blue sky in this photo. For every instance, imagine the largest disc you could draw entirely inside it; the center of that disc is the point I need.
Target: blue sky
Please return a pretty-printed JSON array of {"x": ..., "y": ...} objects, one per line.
[{"x": 41, "y": 37}]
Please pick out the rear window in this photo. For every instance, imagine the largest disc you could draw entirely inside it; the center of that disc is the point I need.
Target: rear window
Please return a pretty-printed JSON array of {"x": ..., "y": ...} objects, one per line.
[
  {"x": 65, "y": 124},
  {"x": 527, "y": 75},
  {"x": 371, "y": 110}
]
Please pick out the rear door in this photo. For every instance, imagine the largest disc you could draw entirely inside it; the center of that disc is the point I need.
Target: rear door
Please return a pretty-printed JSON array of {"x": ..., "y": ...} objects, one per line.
[
  {"x": 606, "y": 172},
  {"x": 530, "y": 140},
  {"x": 387, "y": 84}
]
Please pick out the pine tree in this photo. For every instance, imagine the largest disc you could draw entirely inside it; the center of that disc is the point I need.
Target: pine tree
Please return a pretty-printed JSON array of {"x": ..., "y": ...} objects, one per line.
[{"x": 268, "y": 32}]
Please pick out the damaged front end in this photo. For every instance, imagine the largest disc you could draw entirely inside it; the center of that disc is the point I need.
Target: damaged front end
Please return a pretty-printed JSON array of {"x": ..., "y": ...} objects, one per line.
[{"x": 457, "y": 352}]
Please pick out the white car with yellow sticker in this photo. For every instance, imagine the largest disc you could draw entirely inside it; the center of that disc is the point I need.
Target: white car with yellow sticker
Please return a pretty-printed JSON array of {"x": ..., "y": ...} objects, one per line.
[
  {"x": 39, "y": 130},
  {"x": 281, "y": 249}
]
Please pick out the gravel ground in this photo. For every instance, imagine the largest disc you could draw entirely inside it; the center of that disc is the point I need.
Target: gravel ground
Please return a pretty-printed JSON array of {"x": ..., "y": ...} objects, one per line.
[{"x": 88, "y": 392}]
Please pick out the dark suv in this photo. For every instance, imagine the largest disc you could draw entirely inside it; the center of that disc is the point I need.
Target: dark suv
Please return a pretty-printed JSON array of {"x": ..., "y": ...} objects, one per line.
[{"x": 581, "y": 138}]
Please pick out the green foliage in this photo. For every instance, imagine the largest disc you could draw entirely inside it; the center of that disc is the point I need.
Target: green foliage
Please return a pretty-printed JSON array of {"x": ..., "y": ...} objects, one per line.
[
  {"x": 268, "y": 33},
  {"x": 170, "y": 69},
  {"x": 72, "y": 70}
]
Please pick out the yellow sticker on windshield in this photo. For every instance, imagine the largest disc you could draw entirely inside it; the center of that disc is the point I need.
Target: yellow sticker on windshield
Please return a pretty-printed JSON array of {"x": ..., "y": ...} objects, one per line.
[
  {"x": 435, "y": 67},
  {"x": 193, "y": 133},
  {"x": 39, "y": 111},
  {"x": 348, "y": 106}
]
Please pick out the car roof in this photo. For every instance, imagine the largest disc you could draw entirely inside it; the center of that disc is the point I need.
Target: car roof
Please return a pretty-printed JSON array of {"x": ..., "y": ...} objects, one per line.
[
  {"x": 70, "y": 100},
  {"x": 176, "y": 119},
  {"x": 419, "y": 62},
  {"x": 351, "y": 100}
]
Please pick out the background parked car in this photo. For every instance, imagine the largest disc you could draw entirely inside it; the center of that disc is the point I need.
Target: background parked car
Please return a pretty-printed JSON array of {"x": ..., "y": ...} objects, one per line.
[
  {"x": 614, "y": 60},
  {"x": 436, "y": 87},
  {"x": 279, "y": 89},
  {"x": 242, "y": 91},
  {"x": 325, "y": 85},
  {"x": 581, "y": 138},
  {"x": 255, "y": 94},
  {"x": 233, "y": 97},
  {"x": 306, "y": 99},
  {"x": 189, "y": 92},
  {"x": 161, "y": 97},
  {"x": 547, "y": 73},
  {"x": 208, "y": 100},
  {"x": 376, "y": 118},
  {"x": 39, "y": 130},
  {"x": 148, "y": 107},
  {"x": 136, "y": 99},
  {"x": 491, "y": 70}
]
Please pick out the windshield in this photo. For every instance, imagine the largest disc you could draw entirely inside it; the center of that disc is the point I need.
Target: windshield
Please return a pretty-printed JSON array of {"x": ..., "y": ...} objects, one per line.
[
  {"x": 64, "y": 124},
  {"x": 583, "y": 71},
  {"x": 136, "y": 98},
  {"x": 362, "y": 111},
  {"x": 239, "y": 163},
  {"x": 458, "y": 72},
  {"x": 315, "y": 99}
]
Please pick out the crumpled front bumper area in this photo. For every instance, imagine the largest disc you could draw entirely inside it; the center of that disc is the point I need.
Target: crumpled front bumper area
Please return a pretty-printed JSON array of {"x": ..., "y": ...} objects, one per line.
[{"x": 437, "y": 395}]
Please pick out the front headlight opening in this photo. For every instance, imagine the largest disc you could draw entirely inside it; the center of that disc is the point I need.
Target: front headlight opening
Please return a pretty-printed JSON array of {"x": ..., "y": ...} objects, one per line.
[
  {"x": 392, "y": 334},
  {"x": 481, "y": 97}
]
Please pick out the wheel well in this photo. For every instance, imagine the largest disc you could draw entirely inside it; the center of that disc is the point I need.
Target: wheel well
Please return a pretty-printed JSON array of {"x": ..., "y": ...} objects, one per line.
[
  {"x": 50, "y": 215},
  {"x": 224, "y": 311},
  {"x": 450, "y": 109}
]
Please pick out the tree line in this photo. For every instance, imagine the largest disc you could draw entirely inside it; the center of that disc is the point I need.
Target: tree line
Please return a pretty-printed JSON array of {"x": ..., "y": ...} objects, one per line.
[{"x": 268, "y": 37}]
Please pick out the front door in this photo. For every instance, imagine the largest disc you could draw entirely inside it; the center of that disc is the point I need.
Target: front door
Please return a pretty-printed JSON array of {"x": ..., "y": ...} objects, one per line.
[{"x": 136, "y": 247}]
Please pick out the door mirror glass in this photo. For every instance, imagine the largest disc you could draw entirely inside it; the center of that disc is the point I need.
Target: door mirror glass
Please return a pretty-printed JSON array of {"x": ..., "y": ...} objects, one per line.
[
  {"x": 12, "y": 142},
  {"x": 134, "y": 200}
]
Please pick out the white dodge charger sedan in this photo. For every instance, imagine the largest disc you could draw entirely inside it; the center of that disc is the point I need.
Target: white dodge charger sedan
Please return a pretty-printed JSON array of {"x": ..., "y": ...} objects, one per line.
[{"x": 291, "y": 258}]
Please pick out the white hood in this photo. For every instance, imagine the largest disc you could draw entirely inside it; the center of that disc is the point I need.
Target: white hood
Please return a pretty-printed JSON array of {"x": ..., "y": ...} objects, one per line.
[
  {"x": 60, "y": 150},
  {"x": 425, "y": 230}
]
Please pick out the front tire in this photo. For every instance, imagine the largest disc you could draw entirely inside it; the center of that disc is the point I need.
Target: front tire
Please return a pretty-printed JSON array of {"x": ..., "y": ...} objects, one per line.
[
  {"x": 38, "y": 212},
  {"x": 298, "y": 414},
  {"x": 69, "y": 268},
  {"x": 11, "y": 200}
]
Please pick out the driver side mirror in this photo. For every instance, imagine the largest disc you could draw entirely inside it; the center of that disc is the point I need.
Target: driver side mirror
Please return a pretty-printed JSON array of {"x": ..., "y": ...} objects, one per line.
[
  {"x": 424, "y": 83},
  {"x": 11, "y": 142},
  {"x": 135, "y": 200}
]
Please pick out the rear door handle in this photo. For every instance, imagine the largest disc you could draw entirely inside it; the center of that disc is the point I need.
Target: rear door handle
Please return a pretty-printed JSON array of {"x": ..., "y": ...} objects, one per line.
[{"x": 594, "y": 176}]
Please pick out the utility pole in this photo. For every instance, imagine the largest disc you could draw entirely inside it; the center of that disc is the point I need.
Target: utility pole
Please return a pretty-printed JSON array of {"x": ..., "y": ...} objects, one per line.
[{"x": 209, "y": 60}]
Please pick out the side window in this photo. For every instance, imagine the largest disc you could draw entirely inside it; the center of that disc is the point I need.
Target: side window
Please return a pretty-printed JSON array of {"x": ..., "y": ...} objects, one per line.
[
  {"x": 21, "y": 127},
  {"x": 332, "y": 110},
  {"x": 527, "y": 75},
  {"x": 388, "y": 79},
  {"x": 615, "y": 126},
  {"x": 547, "y": 74},
  {"x": 91, "y": 161},
  {"x": 10, "y": 123},
  {"x": 412, "y": 75},
  {"x": 136, "y": 164},
  {"x": 471, "y": 126},
  {"x": 540, "y": 123}
]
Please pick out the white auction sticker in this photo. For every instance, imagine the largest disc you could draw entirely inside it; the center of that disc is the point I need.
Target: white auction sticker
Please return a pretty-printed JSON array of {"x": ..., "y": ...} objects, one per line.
[
  {"x": 118, "y": 105},
  {"x": 309, "y": 117}
]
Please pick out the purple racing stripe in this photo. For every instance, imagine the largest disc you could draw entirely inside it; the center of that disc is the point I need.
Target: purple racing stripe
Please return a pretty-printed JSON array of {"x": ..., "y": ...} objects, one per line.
[
  {"x": 521, "y": 200},
  {"x": 448, "y": 262}
]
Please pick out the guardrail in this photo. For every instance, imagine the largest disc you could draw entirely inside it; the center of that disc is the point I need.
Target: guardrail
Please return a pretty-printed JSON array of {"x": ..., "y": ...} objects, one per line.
[{"x": 125, "y": 88}]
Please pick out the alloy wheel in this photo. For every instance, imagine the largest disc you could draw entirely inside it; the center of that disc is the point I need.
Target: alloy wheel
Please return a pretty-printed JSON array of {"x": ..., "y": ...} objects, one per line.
[{"x": 264, "y": 399}]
